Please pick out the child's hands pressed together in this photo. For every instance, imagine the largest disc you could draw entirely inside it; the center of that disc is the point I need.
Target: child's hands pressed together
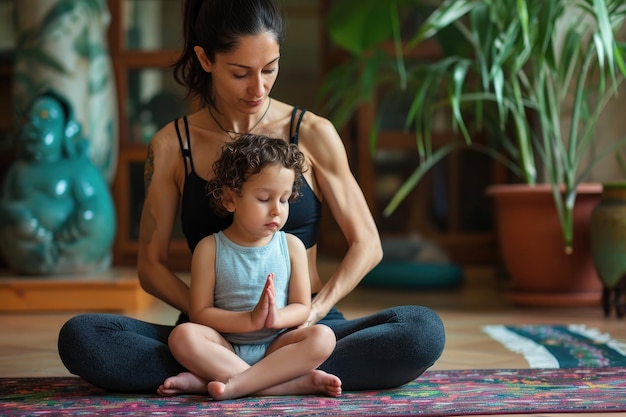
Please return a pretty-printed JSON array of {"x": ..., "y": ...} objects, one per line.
[
  {"x": 271, "y": 321},
  {"x": 265, "y": 313}
]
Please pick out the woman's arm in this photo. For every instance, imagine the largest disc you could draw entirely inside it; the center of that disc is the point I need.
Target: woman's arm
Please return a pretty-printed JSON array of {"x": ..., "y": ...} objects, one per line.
[
  {"x": 338, "y": 187},
  {"x": 162, "y": 169}
]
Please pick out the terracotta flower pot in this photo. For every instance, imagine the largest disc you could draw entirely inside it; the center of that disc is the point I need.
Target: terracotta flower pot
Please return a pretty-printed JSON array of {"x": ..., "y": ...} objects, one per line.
[{"x": 532, "y": 248}]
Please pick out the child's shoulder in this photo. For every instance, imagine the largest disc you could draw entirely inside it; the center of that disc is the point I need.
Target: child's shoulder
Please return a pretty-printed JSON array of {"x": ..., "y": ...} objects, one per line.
[
  {"x": 206, "y": 243},
  {"x": 293, "y": 241}
]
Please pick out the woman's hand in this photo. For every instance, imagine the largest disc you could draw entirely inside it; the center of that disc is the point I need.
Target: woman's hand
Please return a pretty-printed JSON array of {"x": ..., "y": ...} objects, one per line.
[{"x": 316, "y": 314}]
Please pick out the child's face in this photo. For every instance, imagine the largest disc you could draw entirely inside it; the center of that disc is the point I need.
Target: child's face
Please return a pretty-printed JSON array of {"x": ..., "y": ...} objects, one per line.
[{"x": 263, "y": 207}]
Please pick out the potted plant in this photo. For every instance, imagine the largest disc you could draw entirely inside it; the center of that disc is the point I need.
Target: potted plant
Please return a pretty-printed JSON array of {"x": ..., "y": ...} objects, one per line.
[{"x": 510, "y": 68}]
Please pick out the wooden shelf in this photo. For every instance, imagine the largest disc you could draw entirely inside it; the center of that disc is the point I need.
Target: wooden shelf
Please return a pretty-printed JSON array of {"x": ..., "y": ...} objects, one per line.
[
  {"x": 112, "y": 290},
  {"x": 128, "y": 188}
]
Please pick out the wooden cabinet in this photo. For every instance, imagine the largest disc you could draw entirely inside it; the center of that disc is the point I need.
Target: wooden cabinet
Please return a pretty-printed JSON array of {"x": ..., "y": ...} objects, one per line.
[
  {"x": 7, "y": 148},
  {"x": 6, "y": 123},
  {"x": 144, "y": 39}
]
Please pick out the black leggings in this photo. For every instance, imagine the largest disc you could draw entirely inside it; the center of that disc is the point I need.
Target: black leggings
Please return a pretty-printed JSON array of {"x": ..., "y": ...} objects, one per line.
[{"x": 383, "y": 350}]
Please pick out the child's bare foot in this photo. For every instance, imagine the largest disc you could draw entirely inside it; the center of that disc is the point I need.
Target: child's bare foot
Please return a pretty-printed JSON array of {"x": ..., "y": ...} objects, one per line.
[
  {"x": 217, "y": 390},
  {"x": 315, "y": 382},
  {"x": 323, "y": 383},
  {"x": 183, "y": 383}
]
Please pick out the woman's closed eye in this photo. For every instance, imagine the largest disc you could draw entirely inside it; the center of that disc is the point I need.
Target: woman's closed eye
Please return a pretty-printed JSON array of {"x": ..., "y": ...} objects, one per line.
[{"x": 266, "y": 72}]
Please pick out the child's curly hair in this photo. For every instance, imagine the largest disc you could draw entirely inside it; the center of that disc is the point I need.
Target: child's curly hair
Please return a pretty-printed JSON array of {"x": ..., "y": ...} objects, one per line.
[{"x": 249, "y": 154}]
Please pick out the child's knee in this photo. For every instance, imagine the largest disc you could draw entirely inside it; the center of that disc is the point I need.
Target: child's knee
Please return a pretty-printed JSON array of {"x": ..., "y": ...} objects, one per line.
[
  {"x": 325, "y": 338},
  {"x": 180, "y": 337}
]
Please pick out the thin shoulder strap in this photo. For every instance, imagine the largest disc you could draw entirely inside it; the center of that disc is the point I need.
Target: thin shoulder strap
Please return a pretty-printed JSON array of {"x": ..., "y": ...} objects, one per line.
[
  {"x": 294, "y": 133},
  {"x": 185, "y": 151}
]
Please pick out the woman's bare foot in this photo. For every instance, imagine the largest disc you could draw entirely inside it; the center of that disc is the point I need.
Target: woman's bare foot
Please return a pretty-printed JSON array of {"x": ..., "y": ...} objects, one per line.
[
  {"x": 183, "y": 383},
  {"x": 315, "y": 382}
]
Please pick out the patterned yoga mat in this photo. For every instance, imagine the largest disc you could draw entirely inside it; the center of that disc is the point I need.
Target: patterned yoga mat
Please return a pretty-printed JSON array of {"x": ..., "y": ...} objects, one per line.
[
  {"x": 561, "y": 346},
  {"x": 436, "y": 393}
]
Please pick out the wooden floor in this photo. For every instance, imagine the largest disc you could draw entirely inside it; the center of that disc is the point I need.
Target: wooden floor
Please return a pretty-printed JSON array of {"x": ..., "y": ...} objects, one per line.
[{"x": 28, "y": 340}]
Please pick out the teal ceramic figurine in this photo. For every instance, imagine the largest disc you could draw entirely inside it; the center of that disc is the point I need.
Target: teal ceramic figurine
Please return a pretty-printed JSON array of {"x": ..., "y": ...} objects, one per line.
[
  {"x": 608, "y": 245},
  {"x": 56, "y": 211}
]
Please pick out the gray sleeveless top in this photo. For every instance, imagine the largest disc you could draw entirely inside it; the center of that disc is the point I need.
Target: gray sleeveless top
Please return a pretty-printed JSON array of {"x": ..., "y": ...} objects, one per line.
[{"x": 240, "y": 275}]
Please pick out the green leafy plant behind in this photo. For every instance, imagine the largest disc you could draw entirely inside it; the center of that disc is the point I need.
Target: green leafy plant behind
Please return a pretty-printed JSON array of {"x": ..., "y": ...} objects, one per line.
[{"x": 511, "y": 68}]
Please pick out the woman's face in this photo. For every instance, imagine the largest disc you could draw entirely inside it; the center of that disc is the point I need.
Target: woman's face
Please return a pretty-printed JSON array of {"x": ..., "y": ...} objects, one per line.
[{"x": 244, "y": 77}]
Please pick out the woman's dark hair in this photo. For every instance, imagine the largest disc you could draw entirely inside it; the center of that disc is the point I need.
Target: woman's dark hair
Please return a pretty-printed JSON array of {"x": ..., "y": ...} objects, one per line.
[
  {"x": 217, "y": 26},
  {"x": 248, "y": 155}
]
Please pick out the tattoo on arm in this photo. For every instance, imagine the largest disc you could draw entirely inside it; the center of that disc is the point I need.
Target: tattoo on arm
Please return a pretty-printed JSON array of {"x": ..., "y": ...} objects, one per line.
[{"x": 148, "y": 169}]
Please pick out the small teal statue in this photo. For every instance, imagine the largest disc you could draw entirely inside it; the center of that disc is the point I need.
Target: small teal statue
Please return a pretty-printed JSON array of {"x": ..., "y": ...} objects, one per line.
[{"x": 56, "y": 211}]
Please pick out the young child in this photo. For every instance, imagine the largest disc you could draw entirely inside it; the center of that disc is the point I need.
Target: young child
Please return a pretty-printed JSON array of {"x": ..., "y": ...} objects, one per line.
[{"x": 250, "y": 287}]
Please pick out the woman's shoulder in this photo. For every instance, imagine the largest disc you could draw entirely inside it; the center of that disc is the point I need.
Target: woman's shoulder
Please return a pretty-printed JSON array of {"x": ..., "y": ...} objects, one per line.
[
  {"x": 166, "y": 138},
  {"x": 176, "y": 132},
  {"x": 312, "y": 128},
  {"x": 319, "y": 138},
  {"x": 315, "y": 122},
  {"x": 311, "y": 121}
]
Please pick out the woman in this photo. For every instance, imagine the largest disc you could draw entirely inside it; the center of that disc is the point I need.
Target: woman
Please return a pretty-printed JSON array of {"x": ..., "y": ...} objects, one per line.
[{"x": 230, "y": 62}]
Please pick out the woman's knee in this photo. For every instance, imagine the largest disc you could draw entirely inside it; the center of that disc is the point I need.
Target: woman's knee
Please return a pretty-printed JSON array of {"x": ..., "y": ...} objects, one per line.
[
  {"x": 77, "y": 329},
  {"x": 424, "y": 328},
  {"x": 75, "y": 340},
  {"x": 418, "y": 316}
]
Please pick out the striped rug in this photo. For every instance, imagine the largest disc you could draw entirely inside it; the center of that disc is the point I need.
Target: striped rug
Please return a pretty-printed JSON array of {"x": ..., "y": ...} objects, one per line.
[{"x": 561, "y": 346}]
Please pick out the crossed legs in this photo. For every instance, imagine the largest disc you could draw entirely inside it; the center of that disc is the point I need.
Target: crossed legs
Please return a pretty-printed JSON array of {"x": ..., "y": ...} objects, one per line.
[{"x": 288, "y": 368}]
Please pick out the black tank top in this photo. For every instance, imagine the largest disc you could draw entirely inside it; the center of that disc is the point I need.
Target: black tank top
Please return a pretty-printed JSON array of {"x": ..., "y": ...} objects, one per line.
[{"x": 199, "y": 220}]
